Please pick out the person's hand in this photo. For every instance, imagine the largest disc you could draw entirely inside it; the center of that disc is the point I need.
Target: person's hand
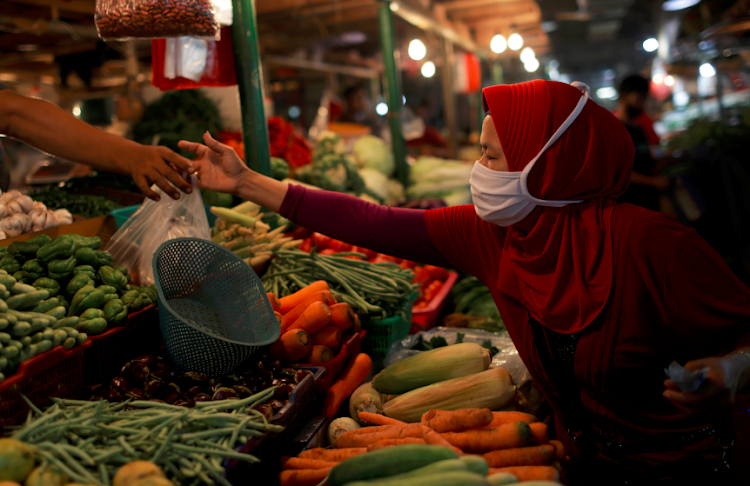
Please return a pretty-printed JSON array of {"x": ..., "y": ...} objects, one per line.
[
  {"x": 723, "y": 379},
  {"x": 218, "y": 167},
  {"x": 160, "y": 166},
  {"x": 660, "y": 182}
]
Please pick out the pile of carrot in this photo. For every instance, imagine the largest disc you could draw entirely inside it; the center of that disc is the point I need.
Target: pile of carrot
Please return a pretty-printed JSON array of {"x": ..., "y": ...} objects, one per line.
[
  {"x": 510, "y": 442},
  {"x": 313, "y": 325}
]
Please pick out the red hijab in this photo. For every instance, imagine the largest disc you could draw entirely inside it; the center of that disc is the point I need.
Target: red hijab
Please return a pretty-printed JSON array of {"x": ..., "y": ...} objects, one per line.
[{"x": 561, "y": 258}]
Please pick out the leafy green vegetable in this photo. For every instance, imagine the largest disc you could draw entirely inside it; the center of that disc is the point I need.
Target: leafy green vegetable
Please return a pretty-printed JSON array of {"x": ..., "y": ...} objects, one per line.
[
  {"x": 435, "y": 342},
  {"x": 488, "y": 345}
]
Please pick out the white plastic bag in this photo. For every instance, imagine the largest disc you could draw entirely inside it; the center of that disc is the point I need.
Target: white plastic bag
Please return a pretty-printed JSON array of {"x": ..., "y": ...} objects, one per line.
[{"x": 155, "y": 222}]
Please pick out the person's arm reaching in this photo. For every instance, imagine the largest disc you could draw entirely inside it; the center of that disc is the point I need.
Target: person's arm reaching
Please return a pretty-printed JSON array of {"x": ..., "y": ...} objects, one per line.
[
  {"x": 656, "y": 181},
  {"x": 395, "y": 231},
  {"x": 52, "y": 130}
]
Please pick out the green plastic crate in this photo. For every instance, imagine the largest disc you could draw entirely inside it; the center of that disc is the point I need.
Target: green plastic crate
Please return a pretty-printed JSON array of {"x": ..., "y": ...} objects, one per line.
[
  {"x": 121, "y": 215},
  {"x": 382, "y": 333}
]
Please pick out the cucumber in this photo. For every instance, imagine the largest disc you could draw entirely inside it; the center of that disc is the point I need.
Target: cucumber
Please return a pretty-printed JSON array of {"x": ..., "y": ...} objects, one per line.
[
  {"x": 48, "y": 334},
  {"x": 69, "y": 343},
  {"x": 387, "y": 462},
  {"x": 20, "y": 329},
  {"x": 432, "y": 469},
  {"x": 4, "y": 337},
  {"x": 10, "y": 352},
  {"x": 476, "y": 464},
  {"x": 4, "y": 323},
  {"x": 26, "y": 341},
  {"x": 498, "y": 479},
  {"x": 38, "y": 324},
  {"x": 21, "y": 288},
  {"x": 44, "y": 346},
  {"x": 449, "y": 478},
  {"x": 70, "y": 331},
  {"x": 82, "y": 336},
  {"x": 3, "y": 363},
  {"x": 59, "y": 337},
  {"x": 38, "y": 337},
  {"x": 58, "y": 312}
]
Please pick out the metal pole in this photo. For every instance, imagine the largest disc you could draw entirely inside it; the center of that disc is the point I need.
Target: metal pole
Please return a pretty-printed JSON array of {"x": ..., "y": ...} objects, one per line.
[
  {"x": 449, "y": 100},
  {"x": 249, "y": 81},
  {"x": 393, "y": 88},
  {"x": 480, "y": 99}
]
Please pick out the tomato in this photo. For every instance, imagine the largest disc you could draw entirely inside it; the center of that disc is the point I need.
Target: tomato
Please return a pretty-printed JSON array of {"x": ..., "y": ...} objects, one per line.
[
  {"x": 306, "y": 245},
  {"x": 339, "y": 246},
  {"x": 380, "y": 259},
  {"x": 391, "y": 259},
  {"x": 352, "y": 257},
  {"x": 421, "y": 305},
  {"x": 328, "y": 251},
  {"x": 437, "y": 273},
  {"x": 321, "y": 241},
  {"x": 421, "y": 276},
  {"x": 301, "y": 233},
  {"x": 369, "y": 253},
  {"x": 407, "y": 264}
]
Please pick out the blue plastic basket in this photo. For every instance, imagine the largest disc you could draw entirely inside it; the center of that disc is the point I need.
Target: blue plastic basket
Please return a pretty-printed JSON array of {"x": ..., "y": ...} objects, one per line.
[
  {"x": 121, "y": 215},
  {"x": 213, "y": 310}
]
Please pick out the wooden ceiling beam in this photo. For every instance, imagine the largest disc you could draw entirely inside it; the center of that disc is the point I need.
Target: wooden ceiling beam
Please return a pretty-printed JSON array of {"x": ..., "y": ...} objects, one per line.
[
  {"x": 508, "y": 21},
  {"x": 270, "y": 6},
  {"x": 79, "y": 6},
  {"x": 511, "y": 9},
  {"x": 462, "y": 4}
]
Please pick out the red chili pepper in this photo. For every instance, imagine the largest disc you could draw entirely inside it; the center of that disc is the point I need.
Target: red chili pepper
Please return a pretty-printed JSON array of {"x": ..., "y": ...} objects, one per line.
[
  {"x": 321, "y": 241},
  {"x": 339, "y": 246}
]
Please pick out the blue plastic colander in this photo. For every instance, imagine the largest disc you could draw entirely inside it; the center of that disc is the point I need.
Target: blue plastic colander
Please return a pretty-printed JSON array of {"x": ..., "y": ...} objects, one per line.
[{"x": 213, "y": 309}]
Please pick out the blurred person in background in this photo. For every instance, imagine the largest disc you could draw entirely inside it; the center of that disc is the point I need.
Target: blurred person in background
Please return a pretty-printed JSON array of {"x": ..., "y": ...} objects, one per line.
[
  {"x": 645, "y": 185},
  {"x": 359, "y": 109},
  {"x": 432, "y": 141}
]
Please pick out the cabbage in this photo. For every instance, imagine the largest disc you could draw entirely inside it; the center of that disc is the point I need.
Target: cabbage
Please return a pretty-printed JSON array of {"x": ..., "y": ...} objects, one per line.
[
  {"x": 372, "y": 152},
  {"x": 395, "y": 192},
  {"x": 376, "y": 182},
  {"x": 432, "y": 177}
]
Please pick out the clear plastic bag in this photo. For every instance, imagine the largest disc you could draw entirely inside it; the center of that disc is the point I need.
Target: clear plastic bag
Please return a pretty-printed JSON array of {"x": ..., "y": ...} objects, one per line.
[
  {"x": 155, "y": 222},
  {"x": 506, "y": 358},
  {"x": 150, "y": 19}
]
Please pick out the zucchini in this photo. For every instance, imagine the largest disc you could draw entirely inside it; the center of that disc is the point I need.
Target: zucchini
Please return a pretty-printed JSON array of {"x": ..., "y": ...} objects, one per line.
[
  {"x": 450, "y": 478},
  {"x": 475, "y": 464},
  {"x": 387, "y": 462},
  {"x": 20, "y": 329},
  {"x": 10, "y": 352},
  {"x": 44, "y": 346},
  {"x": 69, "y": 343},
  {"x": 498, "y": 479}
]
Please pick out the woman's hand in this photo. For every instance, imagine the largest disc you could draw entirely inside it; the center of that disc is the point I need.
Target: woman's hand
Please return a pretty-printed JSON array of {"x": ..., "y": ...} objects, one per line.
[
  {"x": 218, "y": 168},
  {"x": 725, "y": 377}
]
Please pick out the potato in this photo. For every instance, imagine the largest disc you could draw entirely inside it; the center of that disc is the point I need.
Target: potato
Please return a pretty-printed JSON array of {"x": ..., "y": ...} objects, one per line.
[
  {"x": 130, "y": 474},
  {"x": 153, "y": 481},
  {"x": 16, "y": 460},
  {"x": 50, "y": 477}
]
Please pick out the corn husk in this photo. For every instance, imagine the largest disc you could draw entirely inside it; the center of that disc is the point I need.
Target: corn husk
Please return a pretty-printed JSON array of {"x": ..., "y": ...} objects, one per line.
[
  {"x": 491, "y": 389},
  {"x": 439, "y": 364}
]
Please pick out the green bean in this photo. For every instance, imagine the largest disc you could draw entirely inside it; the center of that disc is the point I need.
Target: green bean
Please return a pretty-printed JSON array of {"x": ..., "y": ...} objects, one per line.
[
  {"x": 63, "y": 468},
  {"x": 164, "y": 445},
  {"x": 104, "y": 474},
  {"x": 78, "y": 452}
]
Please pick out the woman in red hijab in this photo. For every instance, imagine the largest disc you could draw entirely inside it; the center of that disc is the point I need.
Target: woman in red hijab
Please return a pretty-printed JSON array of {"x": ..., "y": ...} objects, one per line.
[{"x": 598, "y": 297}]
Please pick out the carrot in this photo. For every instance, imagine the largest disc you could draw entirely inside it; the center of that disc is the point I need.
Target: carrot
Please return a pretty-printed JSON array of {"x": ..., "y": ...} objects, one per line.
[
  {"x": 332, "y": 455},
  {"x": 320, "y": 355},
  {"x": 377, "y": 419},
  {"x": 382, "y": 444},
  {"x": 500, "y": 418},
  {"x": 274, "y": 301},
  {"x": 357, "y": 324},
  {"x": 530, "y": 473},
  {"x": 508, "y": 436},
  {"x": 433, "y": 438},
  {"x": 315, "y": 318},
  {"x": 279, "y": 317},
  {"x": 302, "y": 463},
  {"x": 559, "y": 449},
  {"x": 384, "y": 432},
  {"x": 329, "y": 336},
  {"x": 303, "y": 477},
  {"x": 457, "y": 421},
  {"x": 342, "y": 316},
  {"x": 540, "y": 432},
  {"x": 521, "y": 456},
  {"x": 292, "y": 346},
  {"x": 291, "y": 301},
  {"x": 354, "y": 375},
  {"x": 289, "y": 317}
]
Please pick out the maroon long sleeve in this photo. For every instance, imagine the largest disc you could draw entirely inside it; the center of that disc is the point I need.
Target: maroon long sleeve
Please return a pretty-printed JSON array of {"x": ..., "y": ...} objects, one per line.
[{"x": 393, "y": 231}]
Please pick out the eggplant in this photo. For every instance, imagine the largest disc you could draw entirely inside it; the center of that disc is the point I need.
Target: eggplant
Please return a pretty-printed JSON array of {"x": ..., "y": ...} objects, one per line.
[
  {"x": 201, "y": 397},
  {"x": 193, "y": 390},
  {"x": 276, "y": 405},
  {"x": 135, "y": 394},
  {"x": 139, "y": 373},
  {"x": 265, "y": 409},
  {"x": 283, "y": 392},
  {"x": 225, "y": 394},
  {"x": 242, "y": 391},
  {"x": 114, "y": 395},
  {"x": 173, "y": 397},
  {"x": 146, "y": 359}
]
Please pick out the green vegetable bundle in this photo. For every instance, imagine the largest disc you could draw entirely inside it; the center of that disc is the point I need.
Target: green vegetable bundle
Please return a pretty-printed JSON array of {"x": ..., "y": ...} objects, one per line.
[
  {"x": 89, "y": 441},
  {"x": 475, "y": 307},
  {"x": 373, "y": 289}
]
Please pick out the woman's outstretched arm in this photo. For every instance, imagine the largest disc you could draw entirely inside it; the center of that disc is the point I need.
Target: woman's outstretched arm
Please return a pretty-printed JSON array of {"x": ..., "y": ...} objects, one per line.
[{"x": 394, "y": 231}]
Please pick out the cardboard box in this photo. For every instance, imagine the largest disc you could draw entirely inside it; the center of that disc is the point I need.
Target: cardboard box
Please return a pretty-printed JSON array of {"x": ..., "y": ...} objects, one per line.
[{"x": 99, "y": 226}]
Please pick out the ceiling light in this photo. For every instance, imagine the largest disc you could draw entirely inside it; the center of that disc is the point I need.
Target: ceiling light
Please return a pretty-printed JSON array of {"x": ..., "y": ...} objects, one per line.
[
  {"x": 531, "y": 65},
  {"x": 707, "y": 70},
  {"x": 606, "y": 93},
  {"x": 515, "y": 42},
  {"x": 498, "y": 44},
  {"x": 657, "y": 78},
  {"x": 428, "y": 69},
  {"x": 669, "y": 80},
  {"x": 381, "y": 109},
  {"x": 527, "y": 54},
  {"x": 417, "y": 50},
  {"x": 673, "y": 5},
  {"x": 681, "y": 98},
  {"x": 650, "y": 45},
  {"x": 554, "y": 64},
  {"x": 554, "y": 74}
]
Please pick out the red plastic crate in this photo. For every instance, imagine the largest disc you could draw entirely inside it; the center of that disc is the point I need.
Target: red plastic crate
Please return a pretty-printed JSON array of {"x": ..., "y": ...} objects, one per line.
[
  {"x": 56, "y": 373},
  {"x": 351, "y": 347},
  {"x": 427, "y": 316},
  {"x": 110, "y": 349}
]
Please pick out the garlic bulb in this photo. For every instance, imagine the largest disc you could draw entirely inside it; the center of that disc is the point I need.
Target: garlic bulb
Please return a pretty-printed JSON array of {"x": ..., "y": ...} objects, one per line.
[
  {"x": 25, "y": 202},
  {"x": 64, "y": 216},
  {"x": 11, "y": 226},
  {"x": 38, "y": 205},
  {"x": 38, "y": 219},
  {"x": 25, "y": 221},
  {"x": 9, "y": 196},
  {"x": 14, "y": 207},
  {"x": 3, "y": 210},
  {"x": 2, "y": 235},
  {"x": 51, "y": 220}
]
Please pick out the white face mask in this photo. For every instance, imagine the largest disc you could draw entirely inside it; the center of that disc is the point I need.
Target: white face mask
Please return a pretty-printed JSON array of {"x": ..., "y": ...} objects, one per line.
[{"x": 503, "y": 198}]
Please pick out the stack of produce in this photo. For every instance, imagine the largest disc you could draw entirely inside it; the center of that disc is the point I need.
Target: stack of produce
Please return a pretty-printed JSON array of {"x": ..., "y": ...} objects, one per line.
[
  {"x": 158, "y": 378},
  {"x": 463, "y": 447},
  {"x": 374, "y": 290},
  {"x": 279, "y": 166},
  {"x": 241, "y": 230},
  {"x": 286, "y": 144},
  {"x": 89, "y": 441},
  {"x": 20, "y": 214},
  {"x": 313, "y": 325},
  {"x": 88, "y": 206},
  {"x": 475, "y": 307},
  {"x": 448, "y": 180}
]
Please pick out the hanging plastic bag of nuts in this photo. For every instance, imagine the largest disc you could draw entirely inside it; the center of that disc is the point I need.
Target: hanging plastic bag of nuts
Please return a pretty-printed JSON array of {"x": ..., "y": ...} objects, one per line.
[{"x": 150, "y": 19}]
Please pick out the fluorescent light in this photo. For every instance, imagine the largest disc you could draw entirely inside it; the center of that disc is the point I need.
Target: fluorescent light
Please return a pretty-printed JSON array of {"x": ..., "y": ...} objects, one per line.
[
  {"x": 417, "y": 50},
  {"x": 531, "y": 65},
  {"x": 673, "y": 5},
  {"x": 554, "y": 74},
  {"x": 650, "y": 45},
  {"x": 527, "y": 54},
  {"x": 428, "y": 69},
  {"x": 498, "y": 44},
  {"x": 707, "y": 70},
  {"x": 657, "y": 78},
  {"x": 381, "y": 109},
  {"x": 515, "y": 42},
  {"x": 669, "y": 80},
  {"x": 681, "y": 98},
  {"x": 606, "y": 93},
  {"x": 403, "y": 99}
]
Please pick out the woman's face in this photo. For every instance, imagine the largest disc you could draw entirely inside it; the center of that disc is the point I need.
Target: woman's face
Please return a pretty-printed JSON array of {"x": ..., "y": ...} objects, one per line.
[{"x": 493, "y": 156}]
